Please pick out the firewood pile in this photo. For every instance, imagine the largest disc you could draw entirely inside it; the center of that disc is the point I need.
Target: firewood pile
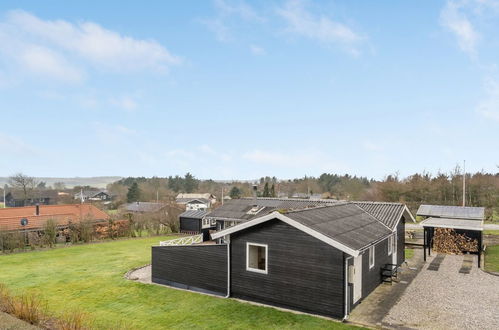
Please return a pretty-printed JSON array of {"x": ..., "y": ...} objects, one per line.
[{"x": 446, "y": 240}]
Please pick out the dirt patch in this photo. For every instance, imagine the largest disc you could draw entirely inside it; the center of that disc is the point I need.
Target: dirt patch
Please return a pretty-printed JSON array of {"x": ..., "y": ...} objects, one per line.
[{"x": 8, "y": 322}]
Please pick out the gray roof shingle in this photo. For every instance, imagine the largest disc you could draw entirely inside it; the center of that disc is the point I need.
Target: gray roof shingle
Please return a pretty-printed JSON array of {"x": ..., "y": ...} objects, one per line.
[
  {"x": 144, "y": 207},
  {"x": 345, "y": 223},
  {"x": 387, "y": 213},
  {"x": 194, "y": 214},
  {"x": 237, "y": 209}
]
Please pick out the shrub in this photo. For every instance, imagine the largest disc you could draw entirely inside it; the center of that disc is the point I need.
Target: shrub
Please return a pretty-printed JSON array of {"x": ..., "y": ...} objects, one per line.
[
  {"x": 86, "y": 230},
  {"x": 50, "y": 232}
]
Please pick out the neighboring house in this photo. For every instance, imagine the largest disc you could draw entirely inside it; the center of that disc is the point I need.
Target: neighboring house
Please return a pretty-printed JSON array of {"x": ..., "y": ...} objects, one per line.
[
  {"x": 321, "y": 257},
  {"x": 93, "y": 195},
  {"x": 307, "y": 196},
  {"x": 44, "y": 197},
  {"x": 144, "y": 207},
  {"x": 201, "y": 202},
  {"x": 37, "y": 216},
  {"x": 194, "y": 222}
]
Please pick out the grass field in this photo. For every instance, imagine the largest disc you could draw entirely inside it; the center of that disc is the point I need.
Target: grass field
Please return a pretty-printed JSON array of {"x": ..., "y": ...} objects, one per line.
[
  {"x": 491, "y": 232},
  {"x": 409, "y": 253},
  {"x": 89, "y": 278},
  {"x": 492, "y": 258}
]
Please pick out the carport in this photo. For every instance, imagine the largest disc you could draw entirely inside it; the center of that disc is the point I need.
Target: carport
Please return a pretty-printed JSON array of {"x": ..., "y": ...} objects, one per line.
[{"x": 466, "y": 221}]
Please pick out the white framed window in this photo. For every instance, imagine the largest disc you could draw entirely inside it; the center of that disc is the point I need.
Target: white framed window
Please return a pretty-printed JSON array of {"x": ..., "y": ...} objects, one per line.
[
  {"x": 390, "y": 245},
  {"x": 371, "y": 256},
  {"x": 257, "y": 257}
]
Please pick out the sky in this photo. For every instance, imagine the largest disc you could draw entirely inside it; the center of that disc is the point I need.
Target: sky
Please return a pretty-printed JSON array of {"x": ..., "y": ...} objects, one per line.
[{"x": 243, "y": 89}]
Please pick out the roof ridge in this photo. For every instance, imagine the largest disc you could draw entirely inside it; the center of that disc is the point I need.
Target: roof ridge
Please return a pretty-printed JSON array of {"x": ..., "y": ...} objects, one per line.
[
  {"x": 321, "y": 200},
  {"x": 314, "y": 208}
]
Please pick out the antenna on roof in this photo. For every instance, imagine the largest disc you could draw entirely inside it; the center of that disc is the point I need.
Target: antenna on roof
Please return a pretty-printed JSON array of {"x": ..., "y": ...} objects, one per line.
[{"x": 464, "y": 183}]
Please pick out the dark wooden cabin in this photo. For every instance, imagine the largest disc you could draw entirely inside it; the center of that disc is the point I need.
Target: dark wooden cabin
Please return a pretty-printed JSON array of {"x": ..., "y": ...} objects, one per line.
[
  {"x": 322, "y": 260},
  {"x": 194, "y": 222}
]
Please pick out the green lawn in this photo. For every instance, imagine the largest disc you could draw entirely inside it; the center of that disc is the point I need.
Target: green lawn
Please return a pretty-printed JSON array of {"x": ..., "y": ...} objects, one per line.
[
  {"x": 409, "y": 253},
  {"x": 492, "y": 258},
  {"x": 89, "y": 278},
  {"x": 491, "y": 232}
]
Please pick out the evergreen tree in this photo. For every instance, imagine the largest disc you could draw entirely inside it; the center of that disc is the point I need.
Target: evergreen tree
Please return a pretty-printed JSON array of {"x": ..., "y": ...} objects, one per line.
[
  {"x": 235, "y": 193},
  {"x": 272, "y": 191},
  {"x": 133, "y": 194},
  {"x": 266, "y": 192},
  {"x": 190, "y": 183}
]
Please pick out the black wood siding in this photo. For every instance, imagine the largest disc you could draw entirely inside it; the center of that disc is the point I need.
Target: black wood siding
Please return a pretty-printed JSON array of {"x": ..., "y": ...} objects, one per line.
[
  {"x": 303, "y": 272},
  {"x": 401, "y": 242},
  {"x": 196, "y": 267},
  {"x": 371, "y": 278},
  {"x": 190, "y": 224}
]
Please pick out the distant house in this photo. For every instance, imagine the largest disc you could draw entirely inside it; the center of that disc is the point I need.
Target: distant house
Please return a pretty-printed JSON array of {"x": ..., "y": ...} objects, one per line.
[
  {"x": 322, "y": 257},
  {"x": 202, "y": 202},
  {"x": 93, "y": 195},
  {"x": 16, "y": 198},
  {"x": 306, "y": 196},
  {"x": 37, "y": 216},
  {"x": 194, "y": 222},
  {"x": 144, "y": 207}
]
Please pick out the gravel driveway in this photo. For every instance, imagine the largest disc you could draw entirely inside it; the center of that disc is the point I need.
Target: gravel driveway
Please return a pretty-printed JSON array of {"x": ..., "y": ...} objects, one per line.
[{"x": 448, "y": 299}]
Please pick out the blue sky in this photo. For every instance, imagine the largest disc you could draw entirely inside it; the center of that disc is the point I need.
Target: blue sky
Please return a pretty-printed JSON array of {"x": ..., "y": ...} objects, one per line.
[{"x": 238, "y": 90}]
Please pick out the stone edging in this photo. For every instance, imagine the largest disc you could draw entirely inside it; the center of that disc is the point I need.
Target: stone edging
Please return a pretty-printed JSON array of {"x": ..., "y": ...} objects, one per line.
[{"x": 127, "y": 274}]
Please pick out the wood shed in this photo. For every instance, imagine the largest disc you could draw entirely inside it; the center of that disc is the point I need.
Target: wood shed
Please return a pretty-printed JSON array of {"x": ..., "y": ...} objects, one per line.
[{"x": 452, "y": 229}]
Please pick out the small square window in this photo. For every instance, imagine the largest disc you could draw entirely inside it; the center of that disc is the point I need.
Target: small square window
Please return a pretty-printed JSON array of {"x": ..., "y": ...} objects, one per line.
[
  {"x": 256, "y": 257},
  {"x": 371, "y": 257}
]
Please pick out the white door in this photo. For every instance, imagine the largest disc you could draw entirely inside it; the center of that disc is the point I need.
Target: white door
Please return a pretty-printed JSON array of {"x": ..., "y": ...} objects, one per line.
[
  {"x": 394, "y": 249},
  {"x": 357, "y": 278}
]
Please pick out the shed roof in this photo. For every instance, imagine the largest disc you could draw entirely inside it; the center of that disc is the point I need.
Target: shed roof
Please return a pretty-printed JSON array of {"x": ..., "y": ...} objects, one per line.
[
  {"x": 465, "y": 224},
  {"x": 344, "y": 226},
  {"x": 194, "y": 214},
  {"x": 455, "y": 212}
]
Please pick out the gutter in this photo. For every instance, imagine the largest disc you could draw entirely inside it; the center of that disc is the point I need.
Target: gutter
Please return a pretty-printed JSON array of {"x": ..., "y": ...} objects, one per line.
[{"x": 345, "y": 317}]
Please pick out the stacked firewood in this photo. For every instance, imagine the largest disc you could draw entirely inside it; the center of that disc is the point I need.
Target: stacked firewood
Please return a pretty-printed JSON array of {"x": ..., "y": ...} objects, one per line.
[{"x": 446, "y": 240}]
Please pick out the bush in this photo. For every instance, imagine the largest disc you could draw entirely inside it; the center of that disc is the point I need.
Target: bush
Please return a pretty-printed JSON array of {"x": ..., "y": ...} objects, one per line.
[
  {"x": 86, "y": 230},
  {"x": 50, "y": 232}
]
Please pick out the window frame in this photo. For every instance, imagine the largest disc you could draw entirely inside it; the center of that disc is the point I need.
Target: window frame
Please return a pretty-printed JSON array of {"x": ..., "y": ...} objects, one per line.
[
  {"x": 390, "y": 245},
  {"x": 256, "y": 270},
  {"x": 372, "y": 254}
]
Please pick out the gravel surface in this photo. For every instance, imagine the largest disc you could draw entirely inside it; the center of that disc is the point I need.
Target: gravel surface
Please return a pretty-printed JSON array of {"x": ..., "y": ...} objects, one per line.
[
  {"x": 447, "y": 299},
  {"x": 8, "y": 322},
  {"x": 142, "y": 275}
]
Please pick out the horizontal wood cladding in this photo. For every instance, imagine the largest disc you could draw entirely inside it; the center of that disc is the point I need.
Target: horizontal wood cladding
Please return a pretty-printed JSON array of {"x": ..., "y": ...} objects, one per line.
[
  {"x": 190, "y": 224},
  {"x": 371, "y": 278},
  {"x": 401, "y": 242},
  {"x": 196, "y": 267},
  {"x": 303, "y": 272}
]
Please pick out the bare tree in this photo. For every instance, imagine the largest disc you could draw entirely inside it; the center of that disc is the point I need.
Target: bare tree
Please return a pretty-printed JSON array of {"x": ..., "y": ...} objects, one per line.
[{"x": 23, "y": 182}]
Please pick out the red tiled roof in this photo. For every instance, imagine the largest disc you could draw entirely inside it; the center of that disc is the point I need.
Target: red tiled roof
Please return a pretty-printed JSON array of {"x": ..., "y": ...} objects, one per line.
[{"x": 10, "y": 218}]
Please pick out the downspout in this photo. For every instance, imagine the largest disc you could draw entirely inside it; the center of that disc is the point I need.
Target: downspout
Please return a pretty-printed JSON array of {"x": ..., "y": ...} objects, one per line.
[
  {"x": 228, "y": 266},
  {"x": 345, "y": 317}
]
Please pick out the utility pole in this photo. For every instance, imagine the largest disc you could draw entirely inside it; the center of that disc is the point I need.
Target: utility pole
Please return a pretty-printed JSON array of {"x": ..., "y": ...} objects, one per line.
[
  {"x": 157, "y": 196},
  {"x": 4, "y": 202},
  {"x": 464, "y": 183},
  {"x": 222, "y": 195}
]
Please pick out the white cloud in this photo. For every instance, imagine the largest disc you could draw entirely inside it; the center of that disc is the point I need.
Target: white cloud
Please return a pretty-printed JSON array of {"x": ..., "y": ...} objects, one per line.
[
  {"x": 64, "y": 51},
  {"x": 257, "y": 50},
  {"x": 125, "y": 102},
  {"x": 489, "y": 107},
  {"x": 47, "y": 63},
  {"x": 228, "y": 12},
  {"x": 320, "y": 28},
  {"x": 94, "y": 43},
  {"x": 454, "y": 19}
]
